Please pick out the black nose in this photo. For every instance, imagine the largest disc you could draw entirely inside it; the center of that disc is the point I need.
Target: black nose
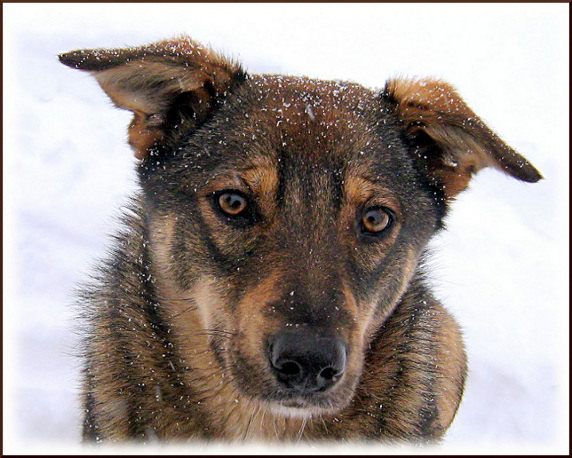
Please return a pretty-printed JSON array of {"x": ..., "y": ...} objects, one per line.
[{"x": 306, "y": 361}]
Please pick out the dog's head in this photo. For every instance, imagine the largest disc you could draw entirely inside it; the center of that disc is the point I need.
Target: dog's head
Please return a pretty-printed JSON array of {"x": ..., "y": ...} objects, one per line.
[{"x": 290, "y": 213}]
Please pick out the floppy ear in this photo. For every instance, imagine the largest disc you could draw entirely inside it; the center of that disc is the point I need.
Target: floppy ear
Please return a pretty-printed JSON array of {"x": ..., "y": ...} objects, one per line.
[
  {"x": 449, "y": 140},
  {"x": 162, "y": 84}
]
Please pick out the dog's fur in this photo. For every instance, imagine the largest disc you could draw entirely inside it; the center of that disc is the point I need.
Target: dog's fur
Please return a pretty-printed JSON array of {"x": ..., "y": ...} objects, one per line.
[{"x": 339, "y": 190}]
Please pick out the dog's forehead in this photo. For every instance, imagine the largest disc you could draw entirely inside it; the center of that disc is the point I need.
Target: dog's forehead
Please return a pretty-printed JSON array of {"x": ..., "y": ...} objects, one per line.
[
  {"x": 316, "y": 124},
  {"x": 309, "y": 121},
  {"x": 295, "y": 127},
  {"x": 296, "y": 104},
  {"x": 301, "y": 90}
]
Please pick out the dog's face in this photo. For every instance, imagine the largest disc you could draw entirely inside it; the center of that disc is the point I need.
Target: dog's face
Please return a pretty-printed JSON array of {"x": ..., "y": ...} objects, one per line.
[
  {"x": 287, "y": 216},
  {"x": 296, "y": 219}
]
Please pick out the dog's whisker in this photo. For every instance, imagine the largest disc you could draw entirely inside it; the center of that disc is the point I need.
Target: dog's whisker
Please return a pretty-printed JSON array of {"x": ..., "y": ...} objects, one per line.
[
  {"x": 302, "y": 428},
  {"x": 191, "y": 308},
  {"x": 324, "y": 423},
  {"x": 221, "y": 332}
]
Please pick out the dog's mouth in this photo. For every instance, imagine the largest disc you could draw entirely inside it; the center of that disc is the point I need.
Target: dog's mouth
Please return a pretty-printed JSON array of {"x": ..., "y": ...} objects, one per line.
[
  {"x": 304, "y": 373},
  {"x": 295, "y": 403}
]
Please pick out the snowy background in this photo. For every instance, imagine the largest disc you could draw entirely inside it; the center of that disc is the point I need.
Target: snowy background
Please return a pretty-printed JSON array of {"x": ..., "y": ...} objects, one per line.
[{"x": 502, "y": 268}]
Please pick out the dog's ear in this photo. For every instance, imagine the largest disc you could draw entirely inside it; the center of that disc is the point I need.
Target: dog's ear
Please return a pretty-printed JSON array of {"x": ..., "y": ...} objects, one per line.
[
  {"x": 448, "y": 139},
  {"x": 162, "y": 84}
]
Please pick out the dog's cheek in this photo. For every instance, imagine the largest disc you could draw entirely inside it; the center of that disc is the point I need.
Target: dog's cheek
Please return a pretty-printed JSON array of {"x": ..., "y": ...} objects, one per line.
[
  {"x": 384, "y": 287},
  {"x": 254, "y": 318},
  {"x": 356, "y": 339},
  {"x": 192, "y": 247},
  {"x": 190, "y": 265}
]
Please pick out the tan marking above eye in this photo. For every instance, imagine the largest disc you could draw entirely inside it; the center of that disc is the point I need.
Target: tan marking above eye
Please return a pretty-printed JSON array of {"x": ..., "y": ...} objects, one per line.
[
  {"x": 232, "y": 203},
  {"x": 376, "y": 220}
]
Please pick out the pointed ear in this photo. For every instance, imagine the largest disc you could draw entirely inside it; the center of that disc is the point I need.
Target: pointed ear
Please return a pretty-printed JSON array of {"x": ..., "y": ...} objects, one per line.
[
  {"x": 162, "y": 84},
  {"x": 448, "y": 139}
]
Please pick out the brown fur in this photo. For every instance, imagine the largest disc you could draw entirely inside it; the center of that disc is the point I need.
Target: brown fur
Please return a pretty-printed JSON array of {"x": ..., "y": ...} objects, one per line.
[
  {"x": 151, "y": 93},
  {"x": 189, "y": 319},
  {"x": 468, "y": 145}
]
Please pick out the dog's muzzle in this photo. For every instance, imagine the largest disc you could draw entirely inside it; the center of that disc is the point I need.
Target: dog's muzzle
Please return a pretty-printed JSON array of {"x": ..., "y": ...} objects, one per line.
[{"x": 305, "y": 361}]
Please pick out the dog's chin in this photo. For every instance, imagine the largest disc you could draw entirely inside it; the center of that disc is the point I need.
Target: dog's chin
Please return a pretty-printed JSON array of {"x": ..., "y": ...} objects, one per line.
[
  {"x": 301, "y": 407},
  {"x": 297, "y": 412}
]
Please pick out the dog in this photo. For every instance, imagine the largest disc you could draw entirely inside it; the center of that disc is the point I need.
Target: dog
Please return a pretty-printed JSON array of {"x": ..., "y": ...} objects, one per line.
[{"x": 268, "y": 282}]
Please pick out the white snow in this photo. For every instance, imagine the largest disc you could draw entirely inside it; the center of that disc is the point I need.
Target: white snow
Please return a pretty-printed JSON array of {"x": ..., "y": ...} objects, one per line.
[{"x": 501, "y": 268}]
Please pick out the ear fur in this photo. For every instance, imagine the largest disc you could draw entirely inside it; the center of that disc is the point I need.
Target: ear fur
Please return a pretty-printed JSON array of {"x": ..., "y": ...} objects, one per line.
[
  {"x": 152, "y": 81},
  {"x": 449, "y": 140}
]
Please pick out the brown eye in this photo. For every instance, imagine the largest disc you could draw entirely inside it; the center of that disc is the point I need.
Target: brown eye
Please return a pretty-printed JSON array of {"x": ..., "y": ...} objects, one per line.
[
  {"x": 231, "y": 203},
  {"x": 376, "y": 220}
]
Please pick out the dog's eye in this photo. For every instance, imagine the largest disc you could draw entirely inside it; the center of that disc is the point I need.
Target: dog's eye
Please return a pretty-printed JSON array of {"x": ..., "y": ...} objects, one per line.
[
  {"x": 376, "y": 220},
  {"x": 231, "y": 203}
]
